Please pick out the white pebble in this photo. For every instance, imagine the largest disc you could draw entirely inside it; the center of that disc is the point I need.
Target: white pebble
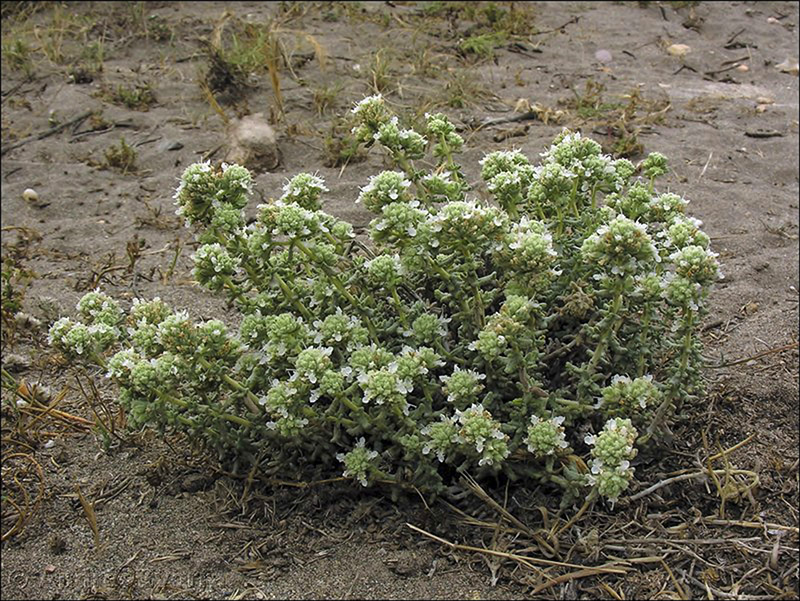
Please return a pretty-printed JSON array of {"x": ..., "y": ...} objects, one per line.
[{"x": 30, "y": 195}]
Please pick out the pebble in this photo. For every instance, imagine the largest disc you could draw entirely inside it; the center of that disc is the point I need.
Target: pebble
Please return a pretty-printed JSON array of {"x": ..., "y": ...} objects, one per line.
[
  {"x": 169, "y": 145},
  {"x": 30, "y": 195},
  {"x": 194, "y": 482},
  {"x": 253, "y": 143},
  {"x": 679, "y": 49},
  {"x": 602, "y": 55},
  {"x": 789, "y": 66},
  {"x": 15, "y": 363}
]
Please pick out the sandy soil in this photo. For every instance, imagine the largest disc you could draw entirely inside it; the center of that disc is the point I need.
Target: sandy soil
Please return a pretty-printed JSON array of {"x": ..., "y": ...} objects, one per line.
[{"x": 169, "y": 527}]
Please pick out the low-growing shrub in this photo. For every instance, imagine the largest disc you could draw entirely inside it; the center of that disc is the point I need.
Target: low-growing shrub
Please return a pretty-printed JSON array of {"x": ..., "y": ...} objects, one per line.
[{"x": 543, "y": 336}]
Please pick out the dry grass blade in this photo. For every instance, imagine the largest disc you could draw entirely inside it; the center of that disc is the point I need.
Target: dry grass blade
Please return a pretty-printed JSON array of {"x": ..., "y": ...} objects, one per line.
[
  {"x": 573, "y": 576},
  {"x": 271, "y": 55},
  {"x": 91, "y": 517},
  {"x": 34, "y": 406},
  {"x": 523, "y": 559},
  {"x": 479, "y": 492},
  {"x": 212, "y": 101},
  {"x": 681, "y": 592},
  {"x": 13, "y": 482},
  {"x": 756, "y": 525}
]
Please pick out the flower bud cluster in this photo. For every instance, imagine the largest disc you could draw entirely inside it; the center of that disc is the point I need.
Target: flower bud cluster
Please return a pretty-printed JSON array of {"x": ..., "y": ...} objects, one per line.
[
  {"x": 440, "y": 129},
  {"x": 441, "y": 187},
  {"x": 103, "y": 330},
  {"x": 385, "y": 386},
  {"x": 612, "y": 451},
  {"x": 654, "y": 165},
  {"x": 340, "y": 330},
  {"x": 546, "y": 436},
  {"x": 97, "y": 307},
  {"x": 402, "y": 142},
  {"x": 304, "y": 190},
  {"x": 685, "y": 231},
  {"x": 467, "y": 227},
  {"x": 479, "y": 431},
  {"x": 399, "y": 223},
  {"x": 371, "y": 113},
  {"x": 462, "y": 387},
  {"x": 214, "y": 266},
  {"x": 204, "y": 188},
  {"x": 311, "y": 364},
  {"x": 358, "y": 463},
  {"x": 528, "y": 252},
  {"x": 79, "y": 339},
  {"x": 502, "y": 161},
  {"x": 441, "y": 437},
  {"x": 383, "y": 189},
  {"x": 621, "y": 247},
  {"x": 386, "y": 271},
  {"x": 428, "y": 328},
  {"x": 629, "y": 398},
  {"x": 696, "y": 264}
]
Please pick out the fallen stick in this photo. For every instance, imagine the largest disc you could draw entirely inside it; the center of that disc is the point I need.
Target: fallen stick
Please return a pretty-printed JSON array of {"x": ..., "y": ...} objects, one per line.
[
  {"x": 771, "y": 351},
  {"x": 46, "y": 133},
  {"x": 512, "y": 119}
]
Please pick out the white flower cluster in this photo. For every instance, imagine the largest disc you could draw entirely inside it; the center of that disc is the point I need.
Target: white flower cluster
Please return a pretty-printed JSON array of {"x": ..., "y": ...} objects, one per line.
[
  {"x": 613, "y": 451},
  {"x": 546, "y": 436},
  {"x": 358, "y": 462},
  {"x": 480, "y": 431}
]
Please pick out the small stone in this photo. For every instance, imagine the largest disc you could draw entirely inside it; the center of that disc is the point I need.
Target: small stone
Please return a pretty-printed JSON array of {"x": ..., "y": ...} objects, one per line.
[
  {"x": 30, "y": 195},
  {"x": 194, "y": 483},
  {"x": 789, "y": 66},
  {"x": 169, "y": 145},
  {"x": 743, "y": 68},
  {"x": 57, "y": 544},
  {"x": 603, "y": 55},
  {"x": 15, "y": 363},
  {"x": 773, "y": 21},
  {"x": 760, "y": 108},
  {"x": 252, "y": 143},
  {"x": 49, "y": 569},
  {"x": 678, "y": 49}
]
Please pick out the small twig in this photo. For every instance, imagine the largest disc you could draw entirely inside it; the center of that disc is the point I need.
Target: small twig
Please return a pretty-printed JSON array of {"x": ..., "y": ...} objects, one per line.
[
  {"x": 46, "y": 133},
  {"x": 511, "y": 119},
  {"x": 736, "y": 60},
  {"x": 570, "y": 22},
  {"x": 717, "y": 71},
  {"x": 729, "y": 450},
  {"x": 772, "y": 351},
  {"x": 763, "y": 133},
  {"x": 524, "y": 559},
  {"x": 484, "y": 496},
  {"x": 755, "y": 525},
  {"x": 685, "y": 66},
  {"x": 723, "y": 595},
  {"x": 207, "y": 155},
  {"x": 690, "y": 476},
  {"x": 734, "y": 36},
  {"x": 91, "y": 517},
  {"x": 703, "y": 172}
]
